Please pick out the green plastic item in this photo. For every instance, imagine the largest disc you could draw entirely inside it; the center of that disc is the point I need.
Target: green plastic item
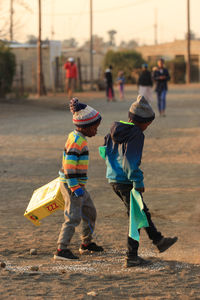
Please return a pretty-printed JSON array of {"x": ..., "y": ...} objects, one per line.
[
  {"x": 138, "y": 217},
  {"x": 102, "y": 152}
]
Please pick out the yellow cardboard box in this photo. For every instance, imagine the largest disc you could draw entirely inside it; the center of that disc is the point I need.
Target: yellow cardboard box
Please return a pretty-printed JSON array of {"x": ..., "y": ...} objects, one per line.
[{"x": 44, "y": 202}]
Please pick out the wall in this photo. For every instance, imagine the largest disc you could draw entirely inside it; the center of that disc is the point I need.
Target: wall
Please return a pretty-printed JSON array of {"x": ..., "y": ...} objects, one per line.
[
  {"x": 172, "y": 50},
  {"x": 26, "y": 55}
]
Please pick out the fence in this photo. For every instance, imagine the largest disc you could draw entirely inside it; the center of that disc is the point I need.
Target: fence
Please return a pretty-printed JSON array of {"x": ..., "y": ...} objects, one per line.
[{"x": 25, "y": 80}]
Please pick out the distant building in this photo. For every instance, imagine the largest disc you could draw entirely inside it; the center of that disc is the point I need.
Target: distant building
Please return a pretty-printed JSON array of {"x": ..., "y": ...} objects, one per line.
[
  {"x": 176, "y": 49},
  {"x": 26, "y": 59}
]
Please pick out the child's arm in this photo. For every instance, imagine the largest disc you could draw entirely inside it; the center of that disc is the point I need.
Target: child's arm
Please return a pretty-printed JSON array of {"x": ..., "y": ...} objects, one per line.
[{"x": 71, "y": 168}]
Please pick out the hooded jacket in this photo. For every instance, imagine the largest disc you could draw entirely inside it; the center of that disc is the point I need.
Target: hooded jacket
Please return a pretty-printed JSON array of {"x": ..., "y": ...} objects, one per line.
[{"x": 124, "y": 145}]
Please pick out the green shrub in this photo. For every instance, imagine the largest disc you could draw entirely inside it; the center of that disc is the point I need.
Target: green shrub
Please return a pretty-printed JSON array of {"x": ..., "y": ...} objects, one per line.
[
  {"x": 125, "y": 61},
  {"x": 7, "y": 69}
]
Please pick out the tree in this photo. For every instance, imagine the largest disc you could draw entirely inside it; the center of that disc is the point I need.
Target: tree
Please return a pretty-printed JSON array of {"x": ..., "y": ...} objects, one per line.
[
  {"x": 123, "y": 60},
  {"x": 128, "y": 45},
  {"x": 98, "y": 44},
  {"x": 192, "y": 35},
  {"x": 7, "y": 69},
  {"x": 70, "y": 43},
  {"x": 132, "y": 44},
  {"x": 31, "y": 39}
]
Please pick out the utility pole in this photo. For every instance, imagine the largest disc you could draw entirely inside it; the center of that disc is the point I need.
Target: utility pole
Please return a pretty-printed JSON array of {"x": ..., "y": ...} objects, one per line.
[
  {"x": 188, "y": 65},
  {"x": 39, "y": 61},
  {"x": 155, "y": 28},
  {"x": 52, "y": 20},
  {"x": 11, "y": 20},
  {"x": 91, "y": 46},
  {"x": 40, "y": 79}
]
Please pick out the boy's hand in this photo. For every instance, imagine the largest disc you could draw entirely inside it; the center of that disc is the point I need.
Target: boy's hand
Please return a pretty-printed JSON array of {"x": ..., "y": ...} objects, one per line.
[
  {"x": 140, "y": 190},
  {"x": 79, "y": 192},
  {"x": 162, "y": 77}
]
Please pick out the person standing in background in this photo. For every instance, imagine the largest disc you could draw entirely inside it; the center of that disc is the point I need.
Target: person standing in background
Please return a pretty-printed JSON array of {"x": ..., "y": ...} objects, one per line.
[
  {"x": 71, "y": 76},
  {"x": 161, "y": 76},
  {"x": 121, "y": 82},
  {"x": 109, "y": 84},
  {"x": 145, "y": 83}
]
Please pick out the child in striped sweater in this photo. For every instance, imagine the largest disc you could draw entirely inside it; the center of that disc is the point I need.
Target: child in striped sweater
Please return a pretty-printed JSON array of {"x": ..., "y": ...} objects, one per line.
[{"x": 73, "y": 177}]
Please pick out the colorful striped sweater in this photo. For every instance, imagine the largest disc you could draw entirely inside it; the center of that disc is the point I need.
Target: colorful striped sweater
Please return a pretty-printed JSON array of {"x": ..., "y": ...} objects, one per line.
[{"x": 75, "y": 161}]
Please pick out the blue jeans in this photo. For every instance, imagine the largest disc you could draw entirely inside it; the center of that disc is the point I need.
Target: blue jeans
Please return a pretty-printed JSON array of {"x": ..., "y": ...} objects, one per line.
[{"x": 161, "y": 97}]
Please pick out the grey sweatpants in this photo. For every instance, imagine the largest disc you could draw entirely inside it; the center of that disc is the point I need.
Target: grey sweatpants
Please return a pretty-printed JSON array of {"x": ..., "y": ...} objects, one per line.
[{"x": 76, "y": 209}]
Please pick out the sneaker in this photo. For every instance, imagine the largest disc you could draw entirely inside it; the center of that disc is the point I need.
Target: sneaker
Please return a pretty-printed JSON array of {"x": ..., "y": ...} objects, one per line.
[
  {"x": 64, "y": 254},
  {"x": 136, "y": 261},
  {"x": 92, "y": 247},
  {"x": 165, "y": 243}
]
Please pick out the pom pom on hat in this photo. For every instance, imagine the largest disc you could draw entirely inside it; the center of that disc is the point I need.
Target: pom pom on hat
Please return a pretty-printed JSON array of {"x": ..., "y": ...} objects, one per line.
[
  {"x": 76, "y": 106},
  {"x": 141, "y": 111},
  {"x": 83, "y": 115}
]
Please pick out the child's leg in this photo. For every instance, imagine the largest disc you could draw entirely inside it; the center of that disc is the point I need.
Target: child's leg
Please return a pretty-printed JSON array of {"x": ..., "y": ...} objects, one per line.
[
  {"x": 72, "y": 216},
  {"x": 88, "y": 214},
  {"x": 162, "y": 243},
  {"x": 159, "y": 101},
  {"x": 112, "y": 93},
  {"x": 121, "y": 91},
  {"x": 163, "y": 100},
  {"x": 152, "y": 231},
  {"x": 107, "y": 92},
  {"x": 123, "y": 192}
]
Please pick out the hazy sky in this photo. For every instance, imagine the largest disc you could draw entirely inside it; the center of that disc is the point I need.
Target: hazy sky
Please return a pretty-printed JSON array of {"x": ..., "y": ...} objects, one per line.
[{"x": 132, "y": 19}]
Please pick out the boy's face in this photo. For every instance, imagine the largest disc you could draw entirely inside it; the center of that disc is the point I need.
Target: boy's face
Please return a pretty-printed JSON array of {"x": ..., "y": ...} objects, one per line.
[
  {"x": 143, "y": 126},
  {"x": 89, "y": 131},
  {"x": 160, "y": 63}
]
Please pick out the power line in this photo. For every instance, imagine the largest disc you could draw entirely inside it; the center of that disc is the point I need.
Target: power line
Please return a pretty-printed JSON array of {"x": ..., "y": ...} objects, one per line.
[
  {"x": 100, "y": 10},
  {"x": 79, "y": 16}
]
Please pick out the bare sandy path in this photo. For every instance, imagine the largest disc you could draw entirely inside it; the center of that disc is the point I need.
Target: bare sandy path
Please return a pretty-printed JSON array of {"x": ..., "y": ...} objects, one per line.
[{"x": 32, "y": 136}]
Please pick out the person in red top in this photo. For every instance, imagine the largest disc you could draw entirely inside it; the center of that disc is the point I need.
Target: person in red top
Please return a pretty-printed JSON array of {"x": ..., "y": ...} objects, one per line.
[{"x": 71, "y": 76}]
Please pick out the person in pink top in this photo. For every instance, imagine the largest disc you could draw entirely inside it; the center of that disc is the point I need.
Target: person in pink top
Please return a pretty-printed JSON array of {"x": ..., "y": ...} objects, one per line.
[{"x": 71, "y": 76}]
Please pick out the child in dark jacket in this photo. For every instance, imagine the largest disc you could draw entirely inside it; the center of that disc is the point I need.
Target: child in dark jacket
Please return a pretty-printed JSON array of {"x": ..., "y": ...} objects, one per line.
[{"x": 124, "y": 146}]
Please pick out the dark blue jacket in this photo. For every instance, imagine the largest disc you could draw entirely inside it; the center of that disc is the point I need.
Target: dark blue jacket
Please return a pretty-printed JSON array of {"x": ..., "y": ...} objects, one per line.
[
  {"x": 161, "y": 84},
  {"x": 124, "y": 145},
  {"x": 145, "y": 78}
]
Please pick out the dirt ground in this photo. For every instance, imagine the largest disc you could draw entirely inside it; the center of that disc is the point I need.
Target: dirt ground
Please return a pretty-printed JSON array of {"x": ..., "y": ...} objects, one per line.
[{"x": 32, "y": 135}]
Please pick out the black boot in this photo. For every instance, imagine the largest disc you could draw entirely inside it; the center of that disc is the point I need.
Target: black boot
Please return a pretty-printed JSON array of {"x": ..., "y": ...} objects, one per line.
[
  {"x": 165, "y": 243},
  {"x": 90, "y": 248},
  {"x": 64, "y": 254},
  {"x": 135, "y": 261}
]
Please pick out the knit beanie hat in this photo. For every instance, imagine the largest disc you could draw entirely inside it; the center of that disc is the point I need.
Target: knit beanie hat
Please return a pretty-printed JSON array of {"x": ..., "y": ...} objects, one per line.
[
  {"x": 141, "y": 111},
  {"x": 83, "y": 115}
]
